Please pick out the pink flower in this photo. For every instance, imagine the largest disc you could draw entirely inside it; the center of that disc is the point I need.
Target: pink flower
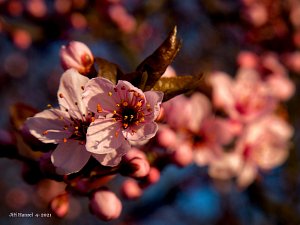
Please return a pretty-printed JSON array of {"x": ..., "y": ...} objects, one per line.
[
  {"x": 123, "y": 113},
  {"x": 192, "y": 111},
  {"x": 67, "y": 126},
  {"x": 78, "y": 56},
  {"x": 263, "y": 145},
  {"x": 246, "y": 98}
]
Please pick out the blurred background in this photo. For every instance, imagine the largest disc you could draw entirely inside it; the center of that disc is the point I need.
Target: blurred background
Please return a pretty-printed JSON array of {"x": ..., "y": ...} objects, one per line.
[{"x": 214, "y": 32}]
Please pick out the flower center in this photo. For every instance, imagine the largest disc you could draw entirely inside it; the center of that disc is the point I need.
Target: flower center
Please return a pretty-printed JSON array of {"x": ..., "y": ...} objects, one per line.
[{"x": 128, "y": 116}]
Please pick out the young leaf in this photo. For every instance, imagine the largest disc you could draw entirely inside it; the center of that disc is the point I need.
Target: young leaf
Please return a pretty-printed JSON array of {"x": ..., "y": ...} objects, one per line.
[
  {"x": 108, "y": 70},
  {"x": 173, "y": 86},
  {"x": 156, "y": 64}
]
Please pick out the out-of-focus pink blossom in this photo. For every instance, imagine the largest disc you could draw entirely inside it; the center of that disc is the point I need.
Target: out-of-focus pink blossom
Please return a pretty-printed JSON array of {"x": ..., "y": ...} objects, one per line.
[
  {"x": 120, "y": 16},
  {"x": 187, "y": 113},
  {"x": 130, "y": 189},
  {"x": 246, "y": 98},
  {"x": 60, "y": 205},
  {"x": 137, "y": 163},
  {"x": 78, "y": 56},
  {"x": 247, "y": 59},
  {"x": 209, "y": 141},
  {"x": 123, "y": 113},
  {"x": 105, "y": 205},
  {"x": 257, "y": 14},
  {"x": 264, "y": 145}
]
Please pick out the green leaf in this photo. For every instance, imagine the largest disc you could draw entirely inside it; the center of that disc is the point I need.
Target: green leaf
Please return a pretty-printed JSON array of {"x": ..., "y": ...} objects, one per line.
[
  {"x": 108, "y": 70},
  {"x": 173, "y": 86},
  {"x": 156, "y": 64}
]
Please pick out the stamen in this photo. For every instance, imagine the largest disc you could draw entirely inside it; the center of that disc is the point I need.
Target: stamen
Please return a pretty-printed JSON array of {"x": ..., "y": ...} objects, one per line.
[
  {"x": 65, "y": 127},
  {"x": 45, "y": 132},
  {"x": 109, "y": 93},
  {"x": 99, "y": 108},
  {"x": 116, "y": 134},
  {"x": 125, "y": 125},
  {"x": 82, "y": 88},
  {"x": 65, "y": 140},
  {"x": 49, "y": 106},
  {"x": 125, "y": 117},
  {"x": 61, "y": 95},
  {"x": 125, "y": 103},
  {"x": 118, "y": 105}
]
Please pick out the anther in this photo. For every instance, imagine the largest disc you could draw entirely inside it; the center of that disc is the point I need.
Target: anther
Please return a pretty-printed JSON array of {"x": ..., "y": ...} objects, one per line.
[
  {"x": 125, "y": 104},
  {"x": 82, "y": 88},
  {"x": 49, "y": 106},
  {"x": 61, "y": 95},
  {"x": 99, "y": 108},
  {"x": 45, "y": 132},
  {"x": 109, "y": 93},
  {"x": 65, "y": 140},
  {"x": 125, "y": 125}
]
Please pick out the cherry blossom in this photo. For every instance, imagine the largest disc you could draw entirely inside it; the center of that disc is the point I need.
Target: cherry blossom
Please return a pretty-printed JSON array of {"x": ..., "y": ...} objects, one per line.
[
  {"x": 67, "y": 126},
  {"x": 246, "y": 98},
  {"x": 123, "y": 113}
]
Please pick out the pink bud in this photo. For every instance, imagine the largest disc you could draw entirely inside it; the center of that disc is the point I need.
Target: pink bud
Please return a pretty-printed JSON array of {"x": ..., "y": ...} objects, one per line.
[
  {"x": 183, "y": 155},
  {"x": 135, "y": 164},
  {"x": 153, "y": 176},
  {"x": 60, "y": 205},
  {"x": 105, "y": 205},
  {"x": 166, "y": 137},
  {"x": 78, "y": 56},
  {"x": 130, "y": 189}
]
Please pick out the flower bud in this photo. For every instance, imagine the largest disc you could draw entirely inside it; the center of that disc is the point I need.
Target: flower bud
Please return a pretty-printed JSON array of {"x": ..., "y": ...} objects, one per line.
[
  {"x": 105, "y": 205},
  {"x": 60, "y": 205},
  {"x": 78, "y": 56},
  {"x": 135, "y": 164},
  {"x": 130, "y": 189}
]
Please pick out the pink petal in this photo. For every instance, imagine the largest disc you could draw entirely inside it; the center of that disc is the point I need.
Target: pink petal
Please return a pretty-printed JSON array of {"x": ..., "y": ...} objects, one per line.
[
  {"x": 154, "y": 98},
  {"x": 99, "y": 95},
  {"x": 140, "y": 133},
  {"x": 70, "y": 157},
  {"x": 104, "y": 136},
  {"x": 247, "y": 175},
  {"x": 47, "y": 125},
  {"x": 114, "y": 157},
  {"x": 222, "y": 90},
  {"x": 70, "y": 93}
]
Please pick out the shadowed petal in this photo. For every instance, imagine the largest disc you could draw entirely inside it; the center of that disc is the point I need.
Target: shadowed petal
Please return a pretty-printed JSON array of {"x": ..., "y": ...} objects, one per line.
[
  {"x": 104, "y": 136},
  {"x": 99, "y": 95},
  {"x": 48, "y": 125},
  {"x": 113, "y": 158},
  {"x": 144, "y": 132},
  {"x": 154, "y": 98},
  {"x": 70, "y": 157}
]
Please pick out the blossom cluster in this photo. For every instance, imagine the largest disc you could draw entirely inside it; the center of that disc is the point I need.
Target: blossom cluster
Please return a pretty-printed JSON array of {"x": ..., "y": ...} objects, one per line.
[{"x": 109, "y": 123}]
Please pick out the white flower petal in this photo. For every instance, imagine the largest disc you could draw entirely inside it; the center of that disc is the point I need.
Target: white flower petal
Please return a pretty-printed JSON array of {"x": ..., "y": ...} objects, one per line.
[
  {"x": 48, "y": 125},
  {"x": 70, "y": 157},
  {"x": 70, "y": 93}
]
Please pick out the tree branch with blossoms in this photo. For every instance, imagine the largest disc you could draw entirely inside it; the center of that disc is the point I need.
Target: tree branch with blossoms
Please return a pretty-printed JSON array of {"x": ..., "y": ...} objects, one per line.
[{"x": 110, "y": 123}]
